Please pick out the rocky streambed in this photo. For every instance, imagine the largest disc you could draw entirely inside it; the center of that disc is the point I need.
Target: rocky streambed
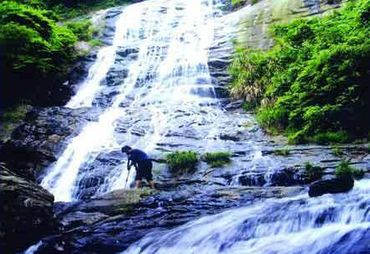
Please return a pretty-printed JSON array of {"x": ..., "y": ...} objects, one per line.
[
  {"x": 139, "y": 100},
  {"x": 111, "y": 222}
]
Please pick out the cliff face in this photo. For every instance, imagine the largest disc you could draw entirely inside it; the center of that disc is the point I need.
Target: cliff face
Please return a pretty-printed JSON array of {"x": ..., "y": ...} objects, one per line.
[
  {"x": 258, "y": 17},
  {"x": 26, "y": 212}
]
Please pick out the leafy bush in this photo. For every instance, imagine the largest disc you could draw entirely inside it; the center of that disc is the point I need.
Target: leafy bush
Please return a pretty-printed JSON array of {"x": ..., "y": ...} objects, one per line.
[
  {"x": 75, "y": 8},
  {"x": 96, "y": 43},
  {"x": 82, "y": 29},
  {"x": 330, "y": 137},
  {"x": 35, "y": 52},
  {"x": 181, "y": 162},
  {"x": 313, "y": 172},
  {"x": 344, "y": 169},
  {"x": 217, "y": 159},
  {"x": 313, "y": 84}
]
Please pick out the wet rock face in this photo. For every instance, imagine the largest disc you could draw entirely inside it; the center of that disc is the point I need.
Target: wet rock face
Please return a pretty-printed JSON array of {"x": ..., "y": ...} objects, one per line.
[
  {"x": 283, "y": 177},
  {"x": 36, "y": 144},
  {"x": 26, "y": 212},
  {"x": 112, "y": 222},
  {"x": 336, "y": 185}
]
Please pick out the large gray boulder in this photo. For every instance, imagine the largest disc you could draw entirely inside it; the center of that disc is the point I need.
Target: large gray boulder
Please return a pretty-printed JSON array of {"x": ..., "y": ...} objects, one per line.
[{"x": 26, "y": 212}]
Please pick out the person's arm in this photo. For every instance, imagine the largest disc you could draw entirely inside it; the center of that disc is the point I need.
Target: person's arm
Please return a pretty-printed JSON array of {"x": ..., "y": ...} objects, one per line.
[{"x": 129, "y": 164}]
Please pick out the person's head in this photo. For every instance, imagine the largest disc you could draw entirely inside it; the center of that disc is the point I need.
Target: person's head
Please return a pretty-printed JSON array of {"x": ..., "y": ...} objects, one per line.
[{"x": 126, "y": 149}]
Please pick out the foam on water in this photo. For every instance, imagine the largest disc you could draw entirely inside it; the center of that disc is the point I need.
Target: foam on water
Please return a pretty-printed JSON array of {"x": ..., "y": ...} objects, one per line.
[
  {"x": 172, "y": 39},
  {"x": 327, "y": 224}
]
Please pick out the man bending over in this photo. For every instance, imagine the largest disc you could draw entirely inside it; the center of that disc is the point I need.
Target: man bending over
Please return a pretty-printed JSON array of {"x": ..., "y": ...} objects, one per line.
[{"x": 142, "y": 163}]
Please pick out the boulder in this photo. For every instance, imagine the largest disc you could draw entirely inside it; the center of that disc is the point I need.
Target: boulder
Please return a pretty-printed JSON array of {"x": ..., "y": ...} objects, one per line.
[
  {"x": 252, "y": 180},
  {"x": 285, "y": 177},
  {"x": 26, "y": 212},
  {"x": 335, "y": 185}
]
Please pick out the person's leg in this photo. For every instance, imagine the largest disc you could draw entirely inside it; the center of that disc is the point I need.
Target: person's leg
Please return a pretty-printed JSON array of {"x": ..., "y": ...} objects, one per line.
[
  {"x": 139, "y": 176},
  {"x": 148, "y": 174},
  {"x": 152, "y": 184},
  {"x": 137, "y": 184}
]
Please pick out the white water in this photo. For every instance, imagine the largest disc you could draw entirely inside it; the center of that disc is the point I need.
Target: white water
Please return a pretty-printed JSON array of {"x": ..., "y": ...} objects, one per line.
[
  {"x": 169, "y": 86},
  {"x": 285, "y": 226},
  {"x": 172, "y": 38},
  {"x": 33, "y": 248}
]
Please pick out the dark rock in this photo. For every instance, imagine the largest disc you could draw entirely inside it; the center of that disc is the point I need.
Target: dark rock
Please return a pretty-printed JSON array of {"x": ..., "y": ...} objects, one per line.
[
  {"x": 252, "y": 180},
  {"x": 225, "y": 136},
  {"x": 80, "y": 69},
  {"x": 124, "y": 52},
  {"x": 88, "y": 231},
  {"x": 26, "y": 212},
  {"x": 234, "y": 105},
  {"x": 335, "y": 185},
  {"x": 113, "y": 13},
  {"x": 116, "y": 203},
  {"x": 221, "y": 92},
  {"x": 37, "y": 143},
  {"x": 285, "y": 177}
]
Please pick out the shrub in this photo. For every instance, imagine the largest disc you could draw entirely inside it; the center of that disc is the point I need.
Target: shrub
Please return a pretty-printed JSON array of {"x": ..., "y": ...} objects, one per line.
[
  {"x": 313, "y": 84},
  {"x": 330, "y": 137},
  {"x": 344, "y": 169},
  {"x": 72, "y": 8},
  {"x": 96, "y": 43},
  {"x": 217, "y": 159},
  {"x": 313, "y": 172},
  {"x": 82, "y": 29},
  {"x": 181, "y": 162},
  {"x": 35, "y": 52}
]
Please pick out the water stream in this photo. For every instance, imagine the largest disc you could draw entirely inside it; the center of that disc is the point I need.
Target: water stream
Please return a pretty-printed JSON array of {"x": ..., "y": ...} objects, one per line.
[
  {"x": 164, "y": 86},
  {"x": 328, "y": 224},
  {"x": 154, "y": 90}
]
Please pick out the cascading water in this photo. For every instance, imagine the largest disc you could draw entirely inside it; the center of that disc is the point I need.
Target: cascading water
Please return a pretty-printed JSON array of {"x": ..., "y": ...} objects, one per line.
[
  {"x": 154, "y": 91},
  {"x": 328, "y": 224},
  {"x": 166, "y": 85}
]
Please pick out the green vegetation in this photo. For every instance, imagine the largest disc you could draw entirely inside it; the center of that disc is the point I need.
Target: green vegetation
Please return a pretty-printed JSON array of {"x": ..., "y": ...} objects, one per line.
[
  {"x": 10, "y": 119},
  {"x": 35, "y": 51},
  {"x": 95, "y": 43},
  {"x": 67, "y": 9},
  {"x": 313, "y": 172},
  {"x": 337, "y": 151},
  {"x": 237, "y": 2},
  {"x": 37, "y": 48},
  {"x": 344, "y": 169},
  {"x": 217, "y": 159},
  {"x": 313, "y": 84},
  {"x": 82, "y": 29},
  {"x": 181, "y": 162},
  {"x": 282, "y": 152}
]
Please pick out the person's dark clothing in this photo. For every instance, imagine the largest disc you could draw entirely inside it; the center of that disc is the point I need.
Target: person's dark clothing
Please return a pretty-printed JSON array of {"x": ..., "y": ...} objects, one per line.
[
  {"x": 137, "y": 155},
  {"x": 144, "y": 170},
  {"x": 142, "y": 164}
]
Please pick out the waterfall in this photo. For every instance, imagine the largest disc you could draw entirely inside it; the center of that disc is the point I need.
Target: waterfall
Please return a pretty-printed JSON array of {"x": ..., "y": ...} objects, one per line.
[
  {"x": 152, "y": 89},
  {"x": 164, "y": 84},
  {"x": 328, "y": 224}
]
